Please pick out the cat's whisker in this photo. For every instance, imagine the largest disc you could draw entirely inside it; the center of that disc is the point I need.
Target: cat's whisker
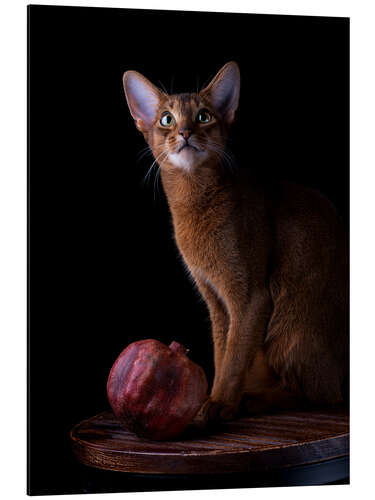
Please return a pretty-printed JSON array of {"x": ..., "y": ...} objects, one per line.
[
  {"x": 157, "y": 176},
  {"x": 163, "y": 87},
  {"x": 224, "y": 157},
  {"x": 146, "y": 148},
  {"x": 156, "y": 182},
  {"x": 220, "y": 159},
  {"x": 227, "y": 156},
  {"x": 220, "y": 137},
  {"x": 143, "y": 153},
  {"x": 147, "y": 176},
  {"x": 220, "y": 146},
  {"x": 225, "y": 149}
]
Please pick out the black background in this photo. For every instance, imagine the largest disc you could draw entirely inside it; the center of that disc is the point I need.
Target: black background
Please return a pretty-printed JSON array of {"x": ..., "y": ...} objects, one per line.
[{"x": 104, "y": 270}]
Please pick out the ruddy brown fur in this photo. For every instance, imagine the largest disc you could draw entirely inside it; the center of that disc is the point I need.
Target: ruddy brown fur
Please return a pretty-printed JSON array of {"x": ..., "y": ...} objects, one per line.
[{"x": 270, "y": 261}]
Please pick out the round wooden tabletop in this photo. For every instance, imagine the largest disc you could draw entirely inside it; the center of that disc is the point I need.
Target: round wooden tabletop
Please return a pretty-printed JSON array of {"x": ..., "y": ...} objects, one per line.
[{"x": 261, "y": 442}]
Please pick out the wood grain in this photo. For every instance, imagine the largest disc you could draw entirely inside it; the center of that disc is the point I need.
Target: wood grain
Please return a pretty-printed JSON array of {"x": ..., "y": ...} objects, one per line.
[{"x": 253, "y": 443}]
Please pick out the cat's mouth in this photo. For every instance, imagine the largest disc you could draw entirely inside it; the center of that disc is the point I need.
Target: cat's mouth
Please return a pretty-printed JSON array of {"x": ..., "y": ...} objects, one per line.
[
  {"x": 188, "y": 146},
  {"x": 187, "y": 155}
]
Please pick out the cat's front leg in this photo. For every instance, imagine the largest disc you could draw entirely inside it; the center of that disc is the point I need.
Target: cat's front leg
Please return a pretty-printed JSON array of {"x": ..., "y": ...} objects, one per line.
[
  {"x": 219, "y": 328},
  {"x": 245, "y": 338},
  {"x": 219, "y": 320}
]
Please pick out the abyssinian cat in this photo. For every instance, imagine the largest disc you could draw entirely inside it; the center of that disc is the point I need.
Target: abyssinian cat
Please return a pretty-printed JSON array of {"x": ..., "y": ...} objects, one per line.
[{"x": 270, "y": 261}]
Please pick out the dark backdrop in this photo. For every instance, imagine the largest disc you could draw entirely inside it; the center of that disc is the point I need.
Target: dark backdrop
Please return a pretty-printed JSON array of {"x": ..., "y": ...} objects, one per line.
[{"x": 103, "y": 269}]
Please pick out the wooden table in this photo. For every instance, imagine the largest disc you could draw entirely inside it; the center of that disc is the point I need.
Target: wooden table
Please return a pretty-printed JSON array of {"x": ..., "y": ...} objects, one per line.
[{"x": 286, "y": 445}]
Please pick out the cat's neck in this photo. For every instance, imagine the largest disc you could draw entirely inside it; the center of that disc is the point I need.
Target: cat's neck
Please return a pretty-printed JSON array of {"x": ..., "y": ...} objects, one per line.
[{"x": 193, "y": 191}]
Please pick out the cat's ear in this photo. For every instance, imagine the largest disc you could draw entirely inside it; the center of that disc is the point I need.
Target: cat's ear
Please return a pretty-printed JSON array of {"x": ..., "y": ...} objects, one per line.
[
  {"x": 143, "y": 99},
  {"x": 224, "y": 91}
]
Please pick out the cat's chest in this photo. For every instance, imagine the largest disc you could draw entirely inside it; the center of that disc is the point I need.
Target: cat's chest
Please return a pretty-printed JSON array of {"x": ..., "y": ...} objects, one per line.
[{"x": 203, "y": 242}]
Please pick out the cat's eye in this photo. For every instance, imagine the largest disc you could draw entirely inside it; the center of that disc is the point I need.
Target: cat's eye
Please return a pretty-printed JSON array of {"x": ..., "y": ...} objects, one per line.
[
  {"x": 203, "y": 116},
  {"x": 167, "y": 119}
]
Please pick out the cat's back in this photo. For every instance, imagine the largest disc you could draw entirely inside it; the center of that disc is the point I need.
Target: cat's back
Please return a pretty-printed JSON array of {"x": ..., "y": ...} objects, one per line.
[
  {"x": 310, "y": 249},
  {"x": 304, "y": 216},
  {"x": 293, "y": 211}
]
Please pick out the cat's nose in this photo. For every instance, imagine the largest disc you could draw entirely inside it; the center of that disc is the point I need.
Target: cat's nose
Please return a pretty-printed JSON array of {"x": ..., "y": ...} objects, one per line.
[{"x": 185, "y": 132}]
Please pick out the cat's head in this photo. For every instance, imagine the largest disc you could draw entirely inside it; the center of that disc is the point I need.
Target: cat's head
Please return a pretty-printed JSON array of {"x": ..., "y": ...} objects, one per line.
[{"x": 185, "y": 130}]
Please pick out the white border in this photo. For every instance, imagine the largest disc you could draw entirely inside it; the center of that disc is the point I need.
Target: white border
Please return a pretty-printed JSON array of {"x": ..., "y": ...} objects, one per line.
[{"x": 13, "y": 237}]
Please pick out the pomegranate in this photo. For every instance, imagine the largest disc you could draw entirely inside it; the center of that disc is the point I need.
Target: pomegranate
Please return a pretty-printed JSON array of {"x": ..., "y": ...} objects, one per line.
[{"x": 155, "y": 390}]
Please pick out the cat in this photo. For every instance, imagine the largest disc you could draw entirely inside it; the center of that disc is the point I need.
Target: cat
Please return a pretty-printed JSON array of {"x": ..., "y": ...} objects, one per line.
[{"x": 270, "y": 261}]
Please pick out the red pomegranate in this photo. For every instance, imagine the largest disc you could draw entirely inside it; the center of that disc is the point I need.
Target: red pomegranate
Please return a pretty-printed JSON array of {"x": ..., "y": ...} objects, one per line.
[{"x": 155, "y": 390}]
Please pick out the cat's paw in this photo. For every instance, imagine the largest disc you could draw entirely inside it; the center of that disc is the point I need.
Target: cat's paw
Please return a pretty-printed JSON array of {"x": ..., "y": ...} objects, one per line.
[{"x": 212, "y": 412}]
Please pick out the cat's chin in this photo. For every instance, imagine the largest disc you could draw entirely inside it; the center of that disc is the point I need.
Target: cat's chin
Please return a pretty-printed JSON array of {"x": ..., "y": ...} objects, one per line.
[{"x": 187, "y": 158}]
